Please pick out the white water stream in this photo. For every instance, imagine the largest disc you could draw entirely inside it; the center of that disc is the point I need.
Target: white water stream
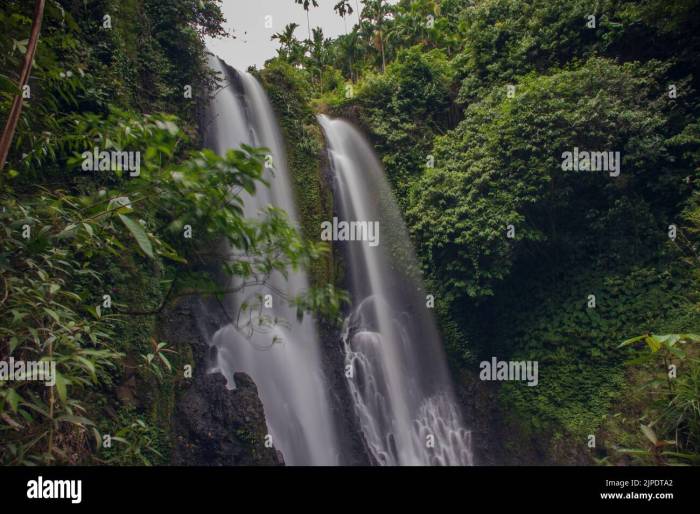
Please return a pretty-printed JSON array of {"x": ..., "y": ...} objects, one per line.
[
  {"x": 288, "y": 374},
  {"x": 400, "y": 383}
]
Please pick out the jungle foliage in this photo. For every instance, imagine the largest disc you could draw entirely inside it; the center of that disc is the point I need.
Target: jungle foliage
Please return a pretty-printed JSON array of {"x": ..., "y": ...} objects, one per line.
[
  {"x": 471, "y": 105},
  {"x": 90, "y": 257}
]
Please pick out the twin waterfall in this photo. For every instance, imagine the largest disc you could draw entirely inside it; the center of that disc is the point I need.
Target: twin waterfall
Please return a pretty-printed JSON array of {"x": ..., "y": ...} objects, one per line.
[{"x": 394, "y": 364}]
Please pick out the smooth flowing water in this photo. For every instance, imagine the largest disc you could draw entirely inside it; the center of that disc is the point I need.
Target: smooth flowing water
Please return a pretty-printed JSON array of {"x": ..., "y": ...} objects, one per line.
[
  {"x": 288, "y": 374},
  {"x": 399, "y": 380}
]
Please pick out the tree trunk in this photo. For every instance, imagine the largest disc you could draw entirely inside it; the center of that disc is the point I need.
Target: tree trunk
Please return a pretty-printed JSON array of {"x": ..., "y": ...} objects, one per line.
[
  {"x": 308, "y": 24},
  {"x": 381, "y": 44},
  {"x": 8, "y": 132},
  {"x": 380, "y": 21}
]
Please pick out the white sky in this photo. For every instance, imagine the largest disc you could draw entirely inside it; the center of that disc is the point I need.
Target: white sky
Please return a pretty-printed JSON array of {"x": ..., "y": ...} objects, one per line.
[{"x": 246, "y": 19}]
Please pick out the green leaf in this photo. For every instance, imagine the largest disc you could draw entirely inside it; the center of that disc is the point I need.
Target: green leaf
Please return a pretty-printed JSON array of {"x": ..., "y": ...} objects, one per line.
[
  {"x": 654, "y": 342},
  {"x": 8, "y": 85},
  {"x": 14, "y": 342},
  {"x": 634, "y": 451},
  {"x": 61, "y": 383},
  {"x": 649, "y": 433},
  {"x": 68, "y": 231},
  {"x": 165, "y": 361},
  {"x": 88, "y": 229},
  {"x": 13, "y": 399},
  {"x": 139, "y": 234},
  {"x": 76, "y": 420},
  {"x": 89, "y": 365},
  {"x": 53, "y": 314},
  {"x": 631, "y": 341}
]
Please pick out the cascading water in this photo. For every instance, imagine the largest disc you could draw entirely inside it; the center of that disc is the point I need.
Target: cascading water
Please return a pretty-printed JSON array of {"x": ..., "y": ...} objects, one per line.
[
  {"x": 288, "y": 374},
  {"x": 399, "y": 384}
]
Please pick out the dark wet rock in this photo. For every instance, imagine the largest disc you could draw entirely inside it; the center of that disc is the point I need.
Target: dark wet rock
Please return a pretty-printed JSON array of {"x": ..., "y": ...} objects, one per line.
[
  {"x": 213, "y": 425},
  {"x": 220, "y": 427}
]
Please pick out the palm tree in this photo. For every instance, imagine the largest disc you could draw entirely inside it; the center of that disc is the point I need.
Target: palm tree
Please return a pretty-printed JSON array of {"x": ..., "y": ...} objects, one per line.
[
  {"x": 375, "y": 11},
  {"x": 410, "y": 26},
  {"x": 349, "y": 46},
  {"x": 343, "y": 8},
  {"x": 318, "y": 52},
  {"x": 306, "y": 4},
  {"x": 289, "y": 45}
]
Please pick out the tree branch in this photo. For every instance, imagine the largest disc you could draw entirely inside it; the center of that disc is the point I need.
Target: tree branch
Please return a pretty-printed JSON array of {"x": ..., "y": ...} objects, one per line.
[{"x": 12, "y": 119}]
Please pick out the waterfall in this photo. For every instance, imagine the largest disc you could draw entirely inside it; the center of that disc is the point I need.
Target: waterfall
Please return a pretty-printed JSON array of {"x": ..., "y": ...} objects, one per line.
[
  {"x": 399, "y": 383},
  {"x": 399, "y": 380},
  {"x": 288, "y": 373}
]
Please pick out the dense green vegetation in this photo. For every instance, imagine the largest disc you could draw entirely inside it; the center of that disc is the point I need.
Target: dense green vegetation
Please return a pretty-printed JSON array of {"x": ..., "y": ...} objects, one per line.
[
  {"x": 90, "y": 257},
  {"x": 304, "y": 148},
  {"x": 471, "y": 105}
]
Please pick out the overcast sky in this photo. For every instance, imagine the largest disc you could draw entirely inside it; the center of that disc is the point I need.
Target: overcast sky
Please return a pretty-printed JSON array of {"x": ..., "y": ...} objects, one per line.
[{"x": 252, "y": 45}]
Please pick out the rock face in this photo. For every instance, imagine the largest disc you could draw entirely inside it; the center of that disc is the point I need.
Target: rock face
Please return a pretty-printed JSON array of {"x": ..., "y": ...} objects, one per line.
[
  {"x": 213, "y": 425},
  {"x": 219, "y": 427}
]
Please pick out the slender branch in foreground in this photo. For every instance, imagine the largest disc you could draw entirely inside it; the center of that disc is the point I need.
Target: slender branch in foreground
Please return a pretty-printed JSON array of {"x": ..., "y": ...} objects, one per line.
[{"x": 13, "y": 118}]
